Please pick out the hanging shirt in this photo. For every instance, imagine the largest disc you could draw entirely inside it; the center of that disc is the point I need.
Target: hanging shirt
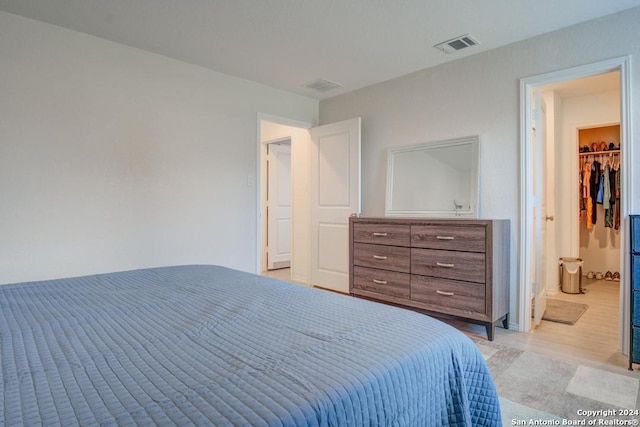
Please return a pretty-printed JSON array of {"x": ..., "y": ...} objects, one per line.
[
  {"x": 589, "y": 219},
  {"x": 594, "y": 183},
  {"x": 600, "y": 194},
  {"x": 586, "y": 179},
  {"x": 616, "y": 213},
  {"x": 606, "y": 188}
]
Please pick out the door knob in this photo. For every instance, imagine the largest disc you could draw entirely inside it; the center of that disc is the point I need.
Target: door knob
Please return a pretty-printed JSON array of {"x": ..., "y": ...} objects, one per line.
[{"x": 549, "y": 217}]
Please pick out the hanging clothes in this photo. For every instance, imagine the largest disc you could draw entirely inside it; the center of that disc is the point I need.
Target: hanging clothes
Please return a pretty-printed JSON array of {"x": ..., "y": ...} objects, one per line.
[
  {"x": 590, "y": 206},
  {"x": 600, "y": 190},
  {"x": 594, "y": 184},
  {"x": 599, "y": 184},
  {"x": 586, "y": 178},
  {"x": 616, "y": 213},
  {"x": 606, "y": 187},
  {"x": 606, "y": 196},
  {"x": 586, "y": 195}
]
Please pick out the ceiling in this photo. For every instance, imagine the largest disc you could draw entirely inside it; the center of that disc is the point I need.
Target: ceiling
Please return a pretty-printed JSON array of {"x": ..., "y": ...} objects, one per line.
[
  {"x": 587, "y": 85},
  {"x": 288, "y": 44}
]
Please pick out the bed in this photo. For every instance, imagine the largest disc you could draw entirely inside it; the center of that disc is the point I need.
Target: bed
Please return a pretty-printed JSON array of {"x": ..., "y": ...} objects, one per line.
[{"x": 208, "y": 345}]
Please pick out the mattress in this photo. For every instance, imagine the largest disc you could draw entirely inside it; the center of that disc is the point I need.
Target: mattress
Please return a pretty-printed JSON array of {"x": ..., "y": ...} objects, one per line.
[{"x": 208, "y": 345}]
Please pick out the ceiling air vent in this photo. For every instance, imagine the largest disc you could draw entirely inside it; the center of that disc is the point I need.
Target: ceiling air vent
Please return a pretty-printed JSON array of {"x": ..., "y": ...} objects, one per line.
[
  {"x": 456, "y": 44},
  {"x": 323, "y": 85}
]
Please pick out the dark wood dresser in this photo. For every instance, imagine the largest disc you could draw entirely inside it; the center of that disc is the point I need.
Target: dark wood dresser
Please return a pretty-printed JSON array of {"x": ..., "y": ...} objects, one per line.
[
  {"x": 456, "y": 267},
  {"x": 634, "y": 351}
]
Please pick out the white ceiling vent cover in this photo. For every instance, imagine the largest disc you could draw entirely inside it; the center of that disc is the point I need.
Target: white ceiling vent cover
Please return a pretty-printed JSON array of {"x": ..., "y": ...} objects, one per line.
[
  {"x": 458, "y": 43},
  {"x": 323, "y": 85}
]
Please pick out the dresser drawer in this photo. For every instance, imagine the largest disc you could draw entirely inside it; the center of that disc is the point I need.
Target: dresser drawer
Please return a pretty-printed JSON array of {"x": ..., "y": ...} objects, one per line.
[
  {"x": 634, "y": 257},
  {"x": 451, "y": 238},
  {"x": 635, "y": 350},
  {"x": 382, "y": 234},
  {"x": 385, "y": 257},
  {"x": 449, "y": 294},
  {"x": 381, "y": 281},
  {"x": 635, "y": 273},
  {"x": 466, "y": 266},
  {"x": 635, "y": 233}
]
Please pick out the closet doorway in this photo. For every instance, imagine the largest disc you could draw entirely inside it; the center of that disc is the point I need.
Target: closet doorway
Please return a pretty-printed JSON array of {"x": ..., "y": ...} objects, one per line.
[
  {"x": 586, "y": 132},
  {"x": 325, "y": 191},
  {"x": 577, "y": 100}
]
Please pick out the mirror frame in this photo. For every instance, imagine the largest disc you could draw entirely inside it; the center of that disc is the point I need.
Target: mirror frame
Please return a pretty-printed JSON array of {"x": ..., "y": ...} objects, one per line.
[{"x": 472, "y": 211}]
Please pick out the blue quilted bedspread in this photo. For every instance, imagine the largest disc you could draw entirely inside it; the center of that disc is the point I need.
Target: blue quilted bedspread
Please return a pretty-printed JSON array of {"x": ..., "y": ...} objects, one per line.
[{"x": 207, "y": 345}]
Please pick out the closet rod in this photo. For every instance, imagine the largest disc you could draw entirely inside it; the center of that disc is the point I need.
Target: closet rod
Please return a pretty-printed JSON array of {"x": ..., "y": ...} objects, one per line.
[{"x": 597, "y": 153}]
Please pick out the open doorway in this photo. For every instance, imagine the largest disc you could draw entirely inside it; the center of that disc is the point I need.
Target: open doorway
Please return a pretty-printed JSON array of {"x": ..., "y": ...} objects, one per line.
[
  {"x": 325, "y": 192},
  {"x": 575, "y": 100},
  {"x": 283, "y": 154},
  {"x": 583, "y": 130}
]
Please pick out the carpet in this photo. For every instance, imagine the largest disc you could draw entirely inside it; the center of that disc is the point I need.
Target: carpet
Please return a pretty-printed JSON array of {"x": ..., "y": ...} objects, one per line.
[
  {"x": 536, "y": 387},
  {"x": 563, "y": 311}
]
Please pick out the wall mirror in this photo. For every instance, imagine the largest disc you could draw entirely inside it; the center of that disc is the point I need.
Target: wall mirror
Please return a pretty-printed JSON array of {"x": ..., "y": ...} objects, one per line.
[{"x": 436, "y": 179}]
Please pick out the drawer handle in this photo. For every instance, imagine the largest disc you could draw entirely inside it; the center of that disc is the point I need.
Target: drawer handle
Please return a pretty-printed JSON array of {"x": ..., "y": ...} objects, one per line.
[
  {"x": 442, "y": 264},
  {"x": 379, "y": 234},
  {"x": 445, "y": 237},
  {"x": 379, "y": 257},
  {"x": 379, "y": 282},
  {"x": 445, "y": 293}
]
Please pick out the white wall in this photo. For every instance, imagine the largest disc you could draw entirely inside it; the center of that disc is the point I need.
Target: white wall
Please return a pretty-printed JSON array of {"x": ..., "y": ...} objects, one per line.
[
  {"x": 479, "y": 95},
  {"x": 114, "y": 158}
]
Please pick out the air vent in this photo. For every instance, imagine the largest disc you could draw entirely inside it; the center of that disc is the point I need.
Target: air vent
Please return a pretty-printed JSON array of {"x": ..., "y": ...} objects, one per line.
[
  {"x": 456, "y": 44},
  {"x": 323, "y": 85}
]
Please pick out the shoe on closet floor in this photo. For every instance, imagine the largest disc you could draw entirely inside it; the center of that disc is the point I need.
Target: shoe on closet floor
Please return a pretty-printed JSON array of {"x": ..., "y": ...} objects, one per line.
[
  {"x": 616, "y": 277},
  {"x": 608, "y": 276},
  {"x": 590, "y": 275},
  {"x": 599, "y": 276}
]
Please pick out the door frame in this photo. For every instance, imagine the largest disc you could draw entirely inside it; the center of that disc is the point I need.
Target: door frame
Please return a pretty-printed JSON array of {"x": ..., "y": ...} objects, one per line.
[
  {"x": 261, "y": 153},
  {"x": 621, "y": 64}
]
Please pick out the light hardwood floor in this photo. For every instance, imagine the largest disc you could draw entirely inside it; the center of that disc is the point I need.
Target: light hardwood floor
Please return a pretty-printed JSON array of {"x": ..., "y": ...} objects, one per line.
[
  {"x": 592, "y": 341},
  {"x": 281, "y": 273},
  {"x": 594, "y": 337}
]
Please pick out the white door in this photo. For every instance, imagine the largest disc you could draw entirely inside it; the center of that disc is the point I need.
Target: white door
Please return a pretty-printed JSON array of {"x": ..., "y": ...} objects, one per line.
[
  {"x": 550, "y": 251},
  {"x": 278, "y": 205},
  {"x": 538, "y": 211},
  {"x": 335, "y": 195}
]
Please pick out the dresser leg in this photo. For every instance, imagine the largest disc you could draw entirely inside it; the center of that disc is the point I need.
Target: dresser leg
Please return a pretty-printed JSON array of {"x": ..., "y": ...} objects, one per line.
[
  {"x": 505, "y": 321},
  {"x": 490, "y": 327}
]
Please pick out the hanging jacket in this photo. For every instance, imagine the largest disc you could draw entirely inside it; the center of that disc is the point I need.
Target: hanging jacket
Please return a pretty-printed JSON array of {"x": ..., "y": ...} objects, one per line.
[{"x": 594, "y": 184}]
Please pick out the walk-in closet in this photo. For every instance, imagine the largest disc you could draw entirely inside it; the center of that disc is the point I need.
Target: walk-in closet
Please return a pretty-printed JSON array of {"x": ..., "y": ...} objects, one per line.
[
  {"x": 584, "y": 131},
  {"x": 599, "y": 189}
]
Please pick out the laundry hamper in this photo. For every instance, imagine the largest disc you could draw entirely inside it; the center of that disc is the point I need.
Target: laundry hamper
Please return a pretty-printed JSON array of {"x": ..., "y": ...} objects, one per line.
[{"x": 571, "y": 275}]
